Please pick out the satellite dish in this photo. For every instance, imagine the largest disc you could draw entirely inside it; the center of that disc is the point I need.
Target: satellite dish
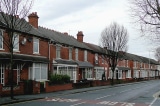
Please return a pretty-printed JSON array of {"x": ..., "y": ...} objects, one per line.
[{"x": 24, "y": 41}]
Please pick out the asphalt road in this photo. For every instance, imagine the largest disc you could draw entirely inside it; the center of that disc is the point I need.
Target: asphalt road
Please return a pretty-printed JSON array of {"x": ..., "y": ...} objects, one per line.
[{"x": 135, "y": 94}]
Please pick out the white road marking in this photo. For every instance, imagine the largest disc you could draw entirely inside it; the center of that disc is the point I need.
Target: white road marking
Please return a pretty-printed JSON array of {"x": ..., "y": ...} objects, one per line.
[
  {"x": 153, "y": 102},
  {"x": 103, "y": 97},
  {"x": 78, "y": 104}
]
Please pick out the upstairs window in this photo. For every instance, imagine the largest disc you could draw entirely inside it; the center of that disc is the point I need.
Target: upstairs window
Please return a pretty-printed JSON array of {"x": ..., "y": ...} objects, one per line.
[
  {"x": 76, "y": 54},
  {"x": 70, "y": 53},
  {"x": 85, "y": 55},
  {"x": 58, "y": 51},
  {"x": 127, "y": 63},
  {"x": 96, "y": 58},
  {"x": 35, "y": 45},
  {"x": 16, "y": 42},
  {"x": 1, "y": 39}
]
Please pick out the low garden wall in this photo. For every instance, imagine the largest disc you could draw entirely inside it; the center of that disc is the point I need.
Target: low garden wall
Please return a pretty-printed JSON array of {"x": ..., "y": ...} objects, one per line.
[
  {"x": 18, "y": 89},
  {"x": 56, "y": 87}
]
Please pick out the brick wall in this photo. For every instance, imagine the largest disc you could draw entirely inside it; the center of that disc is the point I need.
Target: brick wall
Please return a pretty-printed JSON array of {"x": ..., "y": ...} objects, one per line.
[
  {"x": 5, "y": 91},
  {"x": 53, "y": 88},
  {"x": 65, "y": 53}
]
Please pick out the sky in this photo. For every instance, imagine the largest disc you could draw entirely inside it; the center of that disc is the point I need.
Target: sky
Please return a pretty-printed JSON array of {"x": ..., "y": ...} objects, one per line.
[{"x": 91, "y": 17}]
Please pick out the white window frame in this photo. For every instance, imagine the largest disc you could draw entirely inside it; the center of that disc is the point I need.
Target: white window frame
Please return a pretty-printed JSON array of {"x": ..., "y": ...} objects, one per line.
[
  {"x": 35, "y": 45},
  {"x": 1, "y": 38},
  {"x": 32, "y": 71},
  {"x": 70, "y": 70},
  {"x": 76, "y": 54},
  {"x": 96, "y": 58},
  {"x": 136, "y": 73},
  {"x": 15, "y": 42},
  {"x": 120, "y": 74},
  {"x": 58, "y": 51},
  {"x": 88, "y": 74},
  {"x": 128, "y": 74},
  {"x": 127, "y": 63},
  {"x": 70, "y": 53},
  {"x": 135, "y": 64},
  {"x": 85, "y": 55},
  {"x": 98, "y": 72},
  {"x": 2, "y": 74}
]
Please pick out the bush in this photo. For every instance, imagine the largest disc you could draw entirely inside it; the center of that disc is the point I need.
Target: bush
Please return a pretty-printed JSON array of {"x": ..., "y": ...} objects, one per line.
[{"x": 59, "y": 79}]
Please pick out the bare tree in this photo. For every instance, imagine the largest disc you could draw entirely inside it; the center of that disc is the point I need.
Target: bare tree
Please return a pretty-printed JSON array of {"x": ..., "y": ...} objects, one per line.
[
  {"x": 114, "y": 38},
  {"x": 157, "y": 54},
  {"x": 147, "y": 15},
  {"x": 12, "y": 20}
]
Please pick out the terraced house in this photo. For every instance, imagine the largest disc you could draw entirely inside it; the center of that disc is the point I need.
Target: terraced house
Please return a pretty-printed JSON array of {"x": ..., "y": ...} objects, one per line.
[{"x": 42, "y": 51}]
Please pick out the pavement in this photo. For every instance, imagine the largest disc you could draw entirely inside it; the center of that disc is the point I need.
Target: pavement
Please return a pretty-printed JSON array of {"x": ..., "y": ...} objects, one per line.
[{"x": 23, "y": 98}]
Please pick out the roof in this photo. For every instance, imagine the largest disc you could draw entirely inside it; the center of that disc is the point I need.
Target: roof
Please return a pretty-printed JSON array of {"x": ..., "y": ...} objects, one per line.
[
  {"x": 19, "y": 57},
  {"x": 84, "y": 64},
  {"x": 96, "y": 48},
  {"x": 61, "y": 38},
  {"x": 62, "y": 61},
  {"x": 19, "y": 25}
]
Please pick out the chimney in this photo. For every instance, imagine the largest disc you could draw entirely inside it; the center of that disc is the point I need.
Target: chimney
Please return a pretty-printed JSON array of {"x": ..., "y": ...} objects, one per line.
[
  {"x": 80, "y": 36},
  {"x": 33, "y": 19},
  {"x": 65, "y": 33}
]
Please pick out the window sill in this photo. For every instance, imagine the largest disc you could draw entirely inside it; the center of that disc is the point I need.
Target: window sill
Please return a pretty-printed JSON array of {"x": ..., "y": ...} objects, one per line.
[
  {"x": 36, "y": 53},
  {"x": 17, "y": 51},
  {"x": 1, "y": 49}
]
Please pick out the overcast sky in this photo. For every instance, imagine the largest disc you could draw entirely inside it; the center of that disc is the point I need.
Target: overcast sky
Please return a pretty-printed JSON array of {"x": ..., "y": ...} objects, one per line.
[{"x": 91, "y": 17}]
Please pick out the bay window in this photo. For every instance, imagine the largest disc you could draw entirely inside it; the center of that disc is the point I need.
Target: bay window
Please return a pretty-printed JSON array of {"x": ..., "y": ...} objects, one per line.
[
  {"x": 39, "y": 72},
  {"x": 2, "y": 74}
]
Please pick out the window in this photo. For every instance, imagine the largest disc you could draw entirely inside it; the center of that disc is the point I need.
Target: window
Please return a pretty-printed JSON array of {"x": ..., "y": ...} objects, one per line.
[
  {"x": 99, "y": 72},
  {"x": 16, "y": 42},
  {"x": 136, "y": 73},
  {"x": 1, "y": 39},
  {"x": 58, "y": 51},
  {"x": 135, "y": 64},
  {"x": 128, "y": 74},
  {"x": 110, "y": 74},
  {"x": 119, "y": 74},
  {"x": 38, "y": 72},
  {"x": 127, "y": 63},
  {"x": 35, "y": 45},
  {"x": 87, "y": 73},
  {"x": 2, "y": 75},
  {"x": 70, "y": 53},
  {"x": 66, "y": 70},
  {"x": 76, "y": 54},
  {"x": 96, "y": 58},
  {"x": 85, "y": 55}
]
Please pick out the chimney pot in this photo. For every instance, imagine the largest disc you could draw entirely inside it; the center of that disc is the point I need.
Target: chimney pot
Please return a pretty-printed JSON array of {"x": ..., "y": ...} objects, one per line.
[
  {"x": 65, "y": 33},
  {"x": 33, "y": 19}
]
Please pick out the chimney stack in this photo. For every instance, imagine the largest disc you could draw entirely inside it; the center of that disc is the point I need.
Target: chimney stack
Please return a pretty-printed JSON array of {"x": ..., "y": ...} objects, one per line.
[
  {"x": 80, "y": 36},
  {"x": 33, "y": 19}
]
